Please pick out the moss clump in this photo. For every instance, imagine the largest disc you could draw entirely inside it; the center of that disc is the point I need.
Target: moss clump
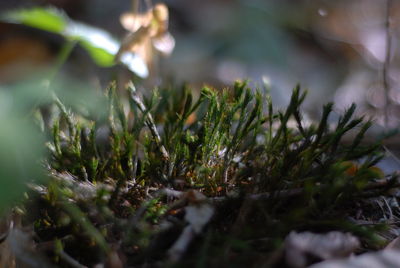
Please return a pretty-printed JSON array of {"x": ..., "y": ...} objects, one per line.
[{"x": 122, "y": 185}]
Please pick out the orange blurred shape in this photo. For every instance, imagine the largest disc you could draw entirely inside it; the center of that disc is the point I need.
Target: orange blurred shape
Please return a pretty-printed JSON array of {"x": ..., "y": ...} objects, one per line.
[
  {"x": 352, "y": 168},
  {"x": 20, "y": 56},
  {"x": 191, "y": 119},
  {"x": 174, "y": 211}
]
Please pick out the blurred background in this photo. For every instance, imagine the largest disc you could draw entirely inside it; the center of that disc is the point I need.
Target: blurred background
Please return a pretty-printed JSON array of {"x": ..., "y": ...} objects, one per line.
[{"x": 343, "y": 51}]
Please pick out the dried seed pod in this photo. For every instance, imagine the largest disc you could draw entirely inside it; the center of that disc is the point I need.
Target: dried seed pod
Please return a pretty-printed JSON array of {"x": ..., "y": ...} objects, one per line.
[{"x": 148, "y": 33}]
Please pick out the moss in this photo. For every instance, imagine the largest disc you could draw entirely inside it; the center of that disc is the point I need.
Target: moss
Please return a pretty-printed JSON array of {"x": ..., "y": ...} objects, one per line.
[{"x": 264, "y": 175}]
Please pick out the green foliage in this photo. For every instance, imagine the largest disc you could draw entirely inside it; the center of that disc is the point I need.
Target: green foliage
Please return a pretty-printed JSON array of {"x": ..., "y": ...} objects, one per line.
[
  {"x": 100, "y": 45},
  {"x": 265, "y": 171},
  {"x": 100, "y": 56},
  {"x": 21, "y": 148},
  {"x": 21, "y": 137}
]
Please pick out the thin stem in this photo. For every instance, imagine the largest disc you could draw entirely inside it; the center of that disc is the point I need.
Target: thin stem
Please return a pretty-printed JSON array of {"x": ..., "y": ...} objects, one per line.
[
  {"x": 62, "y": 57},
  {"x": 386, "y": 63},
  {"x": 135, "y": 6}
]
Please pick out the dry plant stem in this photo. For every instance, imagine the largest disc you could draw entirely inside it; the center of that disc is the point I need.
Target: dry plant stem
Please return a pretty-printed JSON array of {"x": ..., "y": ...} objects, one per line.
[
  {"x": 262, "y": 196},
  {"x": 299, "y": 191},
  {"x": 71, "y": 261},
  {"x": 180, "y": 246},
  {"x": 389, "y": 152},
  {"x": 389, "y": 208},
  {"x": 149, "y": 122},
  {"x": 386, "y": 63}
]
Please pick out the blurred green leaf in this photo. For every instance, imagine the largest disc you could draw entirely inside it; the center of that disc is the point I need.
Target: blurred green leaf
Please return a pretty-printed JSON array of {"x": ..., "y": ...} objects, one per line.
[
  {"x": 101, "y": 46},
  {"x": 49, "y": 19},
  {"x": 100, "y": 56},
  {"x": 21, "y": 144},
  {"x": 21, "y": 150},
  {"x": 34, "y": 92}
]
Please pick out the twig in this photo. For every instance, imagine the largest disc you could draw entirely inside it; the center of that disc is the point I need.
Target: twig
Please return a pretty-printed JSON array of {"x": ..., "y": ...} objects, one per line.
[
  {"x": 389, "y": 208},
  {"x": 389, "y": 152},
  {"x": 299, "y": 191},
  {"x": 263, "y": 196}
]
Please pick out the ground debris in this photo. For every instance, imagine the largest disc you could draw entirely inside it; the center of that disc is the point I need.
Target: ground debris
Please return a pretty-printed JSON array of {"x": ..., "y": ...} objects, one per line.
[{"x": 301, "y": 248}]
